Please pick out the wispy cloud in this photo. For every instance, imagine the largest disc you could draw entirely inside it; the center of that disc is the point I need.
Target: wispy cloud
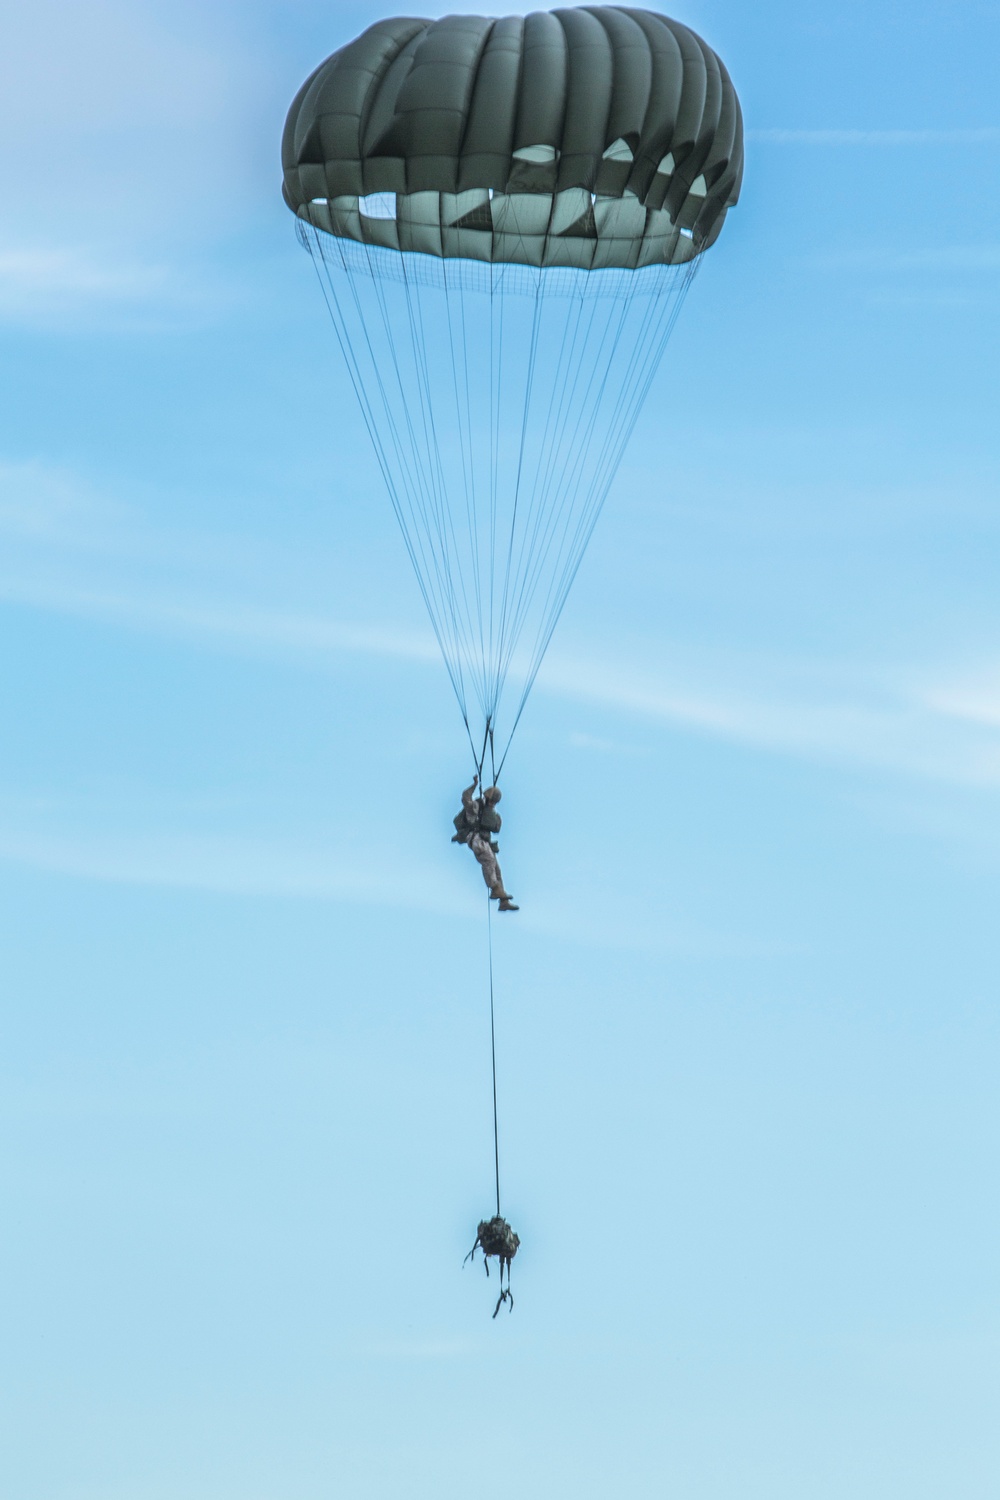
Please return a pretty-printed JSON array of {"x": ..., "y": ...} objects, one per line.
[
  {"x": 41, "y": 836},
  {"x": 897, "y": 726},
  {"x": 42, "y": 271},
  {"x": 274, "y": 630},
  {"x": 833, "y": 716},
  {"x": 973, "y": 700},
  {"x": 604, "y": 746},
  {"x": 951, "y": 258},
  {"x": 986, "y": 135},
  {"x": 55, "y": 508},
  {"x": 78, "y": 71},
  {"x": 225, "y": 864},
  {"x": 107, "y": 111},
  {"x": 53, "y": 287},
  {"x": 72, "y": 550},
  {"x": 911, "y": 722}
]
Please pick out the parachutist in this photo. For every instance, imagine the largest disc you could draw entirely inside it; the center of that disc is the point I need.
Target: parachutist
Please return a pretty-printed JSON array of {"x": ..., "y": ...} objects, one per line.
[
  {"x": 495, "y": 1237},
  {"x": 475, "y": 825}
]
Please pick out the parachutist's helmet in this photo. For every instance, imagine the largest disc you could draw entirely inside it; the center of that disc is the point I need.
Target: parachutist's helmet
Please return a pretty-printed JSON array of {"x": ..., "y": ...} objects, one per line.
[{"x": 492, "y": 795}]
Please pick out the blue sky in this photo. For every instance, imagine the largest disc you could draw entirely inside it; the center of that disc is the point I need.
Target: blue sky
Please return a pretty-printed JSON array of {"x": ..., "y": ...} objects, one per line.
[{"x": 748, "y": 1036}]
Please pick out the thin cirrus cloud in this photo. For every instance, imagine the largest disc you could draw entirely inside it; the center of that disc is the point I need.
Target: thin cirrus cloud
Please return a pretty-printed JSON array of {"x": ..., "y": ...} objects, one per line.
[
  {"x": 44, "y": 271},
  {"x": 893, "y": 727},
  {"x": 101, "y": 844},
  {"x": 223, "y": 864},
  {"x": 47, "y": 505},
  {"x": 913, "y": 723},
  {"x": 105, "y": 110},
  {"x": 986, "y": 135},
  {"x": 88, "y": 285},
  {"x": 88, "y": 288},
  {"x": 951, "y": 258},
  {"x": 69, "y": 549},
  {"x": 936, "y": 733},
  {"x": 275, "y": 630},
  {"x": 975, "y": 700}
]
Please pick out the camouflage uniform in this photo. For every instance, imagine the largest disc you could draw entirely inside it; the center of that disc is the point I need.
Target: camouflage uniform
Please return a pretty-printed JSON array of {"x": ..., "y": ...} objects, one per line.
[
  {"x": 475, "y": 825},
  {"x": 467, "y": 820}
]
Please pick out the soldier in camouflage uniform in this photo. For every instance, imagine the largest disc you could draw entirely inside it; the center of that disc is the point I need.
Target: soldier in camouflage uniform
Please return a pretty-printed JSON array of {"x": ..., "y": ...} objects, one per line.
[{"x": 475, "y": 825}]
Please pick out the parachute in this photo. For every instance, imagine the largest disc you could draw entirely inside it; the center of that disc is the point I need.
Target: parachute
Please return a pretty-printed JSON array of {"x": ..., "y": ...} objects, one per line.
[{"x": 506, "y": 216}]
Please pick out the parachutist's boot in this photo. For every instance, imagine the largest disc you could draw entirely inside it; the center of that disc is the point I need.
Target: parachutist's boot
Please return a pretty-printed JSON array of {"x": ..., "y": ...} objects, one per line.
[{"x": 506, "y": 904}]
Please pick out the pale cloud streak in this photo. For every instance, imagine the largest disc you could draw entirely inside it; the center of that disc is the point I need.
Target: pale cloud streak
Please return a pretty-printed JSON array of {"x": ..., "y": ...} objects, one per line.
[
  {"x": 834, "y": 717},
  {"x": 971, "y": 700},
  {"x": 119, "y": 120},
  {"x": 229, "y": 624},
  {"x": 47, "y": 271},
  {"x": 952, "y": 258},
  {"x": 72, "y": 551},
  {"x": 856, "y": 720},
  {"x": 42, "y": 837},
  {"x": 46, "y": 286},
  {"x": 52, "y": 507},
  {"x": 72, "y": 71},
  {"x": 986, "y": 135},
  {"x": 87, "y": 558},
  {"x": 225, "y": 864}
]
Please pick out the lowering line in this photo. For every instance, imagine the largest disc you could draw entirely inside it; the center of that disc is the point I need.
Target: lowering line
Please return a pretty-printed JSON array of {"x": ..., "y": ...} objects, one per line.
[
  {"x": 494, "y": 1237},
  {"x": 493, "y": 1051}
]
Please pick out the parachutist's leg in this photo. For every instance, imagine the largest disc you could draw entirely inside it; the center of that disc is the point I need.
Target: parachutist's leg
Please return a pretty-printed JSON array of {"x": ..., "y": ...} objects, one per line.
[{"x": 504, "y": 1296}]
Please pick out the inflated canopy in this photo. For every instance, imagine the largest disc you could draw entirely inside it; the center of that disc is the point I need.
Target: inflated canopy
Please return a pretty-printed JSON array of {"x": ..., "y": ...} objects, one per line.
[{"x": 595, "y": 137}]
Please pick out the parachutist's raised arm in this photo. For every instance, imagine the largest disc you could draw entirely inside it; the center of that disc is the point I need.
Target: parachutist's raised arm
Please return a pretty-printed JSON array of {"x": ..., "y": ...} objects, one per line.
[{"x": 467, "y": 820}]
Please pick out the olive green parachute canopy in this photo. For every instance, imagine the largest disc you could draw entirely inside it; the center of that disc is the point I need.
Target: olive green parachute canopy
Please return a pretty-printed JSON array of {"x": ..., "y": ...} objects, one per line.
[{"x": 594, "y": 138}]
